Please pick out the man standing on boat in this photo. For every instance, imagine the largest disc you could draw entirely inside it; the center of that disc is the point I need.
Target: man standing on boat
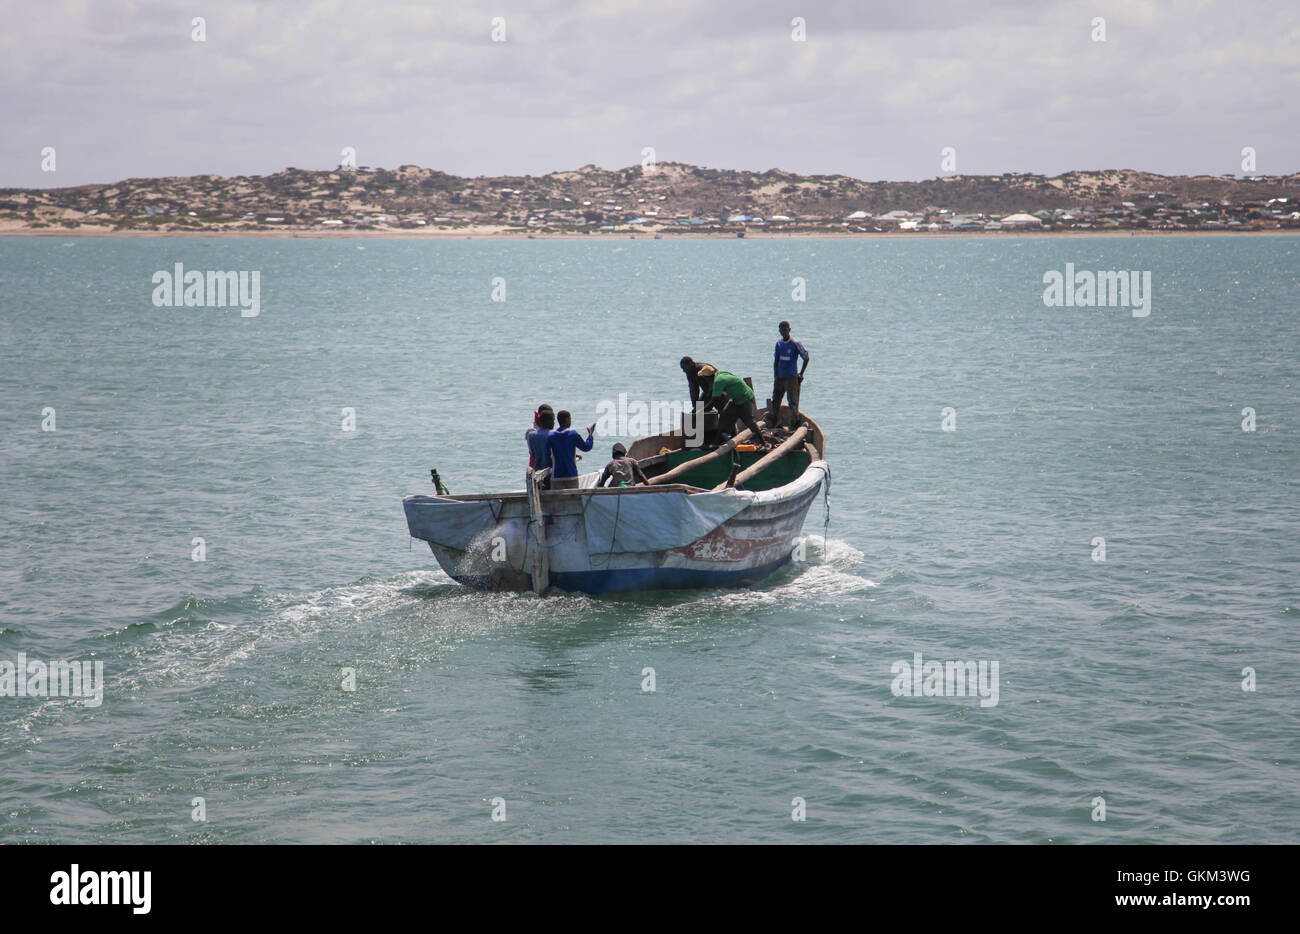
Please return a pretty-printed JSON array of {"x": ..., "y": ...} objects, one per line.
[
  {"x": 787, "y": 377},
  {"x": 699, "y": 379},
  {"x": 538, "y": 438},
  {"x": 539, "y": 452},
  {"x": 739, "y": 406},
  {"x": 563, "y": 441}
]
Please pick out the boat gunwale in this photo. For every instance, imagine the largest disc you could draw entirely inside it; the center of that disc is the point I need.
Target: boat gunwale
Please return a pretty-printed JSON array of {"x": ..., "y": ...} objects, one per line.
[
  {"x": 577, "y": 491},
  {"x": 817, "y": 457},
  {"x": 775, "y": 493}
]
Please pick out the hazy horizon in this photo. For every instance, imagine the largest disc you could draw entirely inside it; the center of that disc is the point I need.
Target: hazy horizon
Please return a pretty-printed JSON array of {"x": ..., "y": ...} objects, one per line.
[{"x": 121, "y": 90}]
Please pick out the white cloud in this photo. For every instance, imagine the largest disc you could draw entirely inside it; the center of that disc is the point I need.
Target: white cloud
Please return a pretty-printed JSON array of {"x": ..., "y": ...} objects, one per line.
[{"x": 876, "y": 90}]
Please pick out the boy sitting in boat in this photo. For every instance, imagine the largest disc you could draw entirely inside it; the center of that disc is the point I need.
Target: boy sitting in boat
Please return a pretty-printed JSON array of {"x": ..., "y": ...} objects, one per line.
[{"x": 622, "y": 470}]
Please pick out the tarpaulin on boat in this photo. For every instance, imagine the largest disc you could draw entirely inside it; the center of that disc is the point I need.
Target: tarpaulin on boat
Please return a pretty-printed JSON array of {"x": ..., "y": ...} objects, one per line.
[
  {"x": 448, "y": 522},
  {"x": 656, "y": 521}
]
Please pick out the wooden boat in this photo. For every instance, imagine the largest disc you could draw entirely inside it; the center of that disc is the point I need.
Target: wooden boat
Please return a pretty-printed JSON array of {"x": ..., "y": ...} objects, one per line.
[{"x": 709, "y": 518}]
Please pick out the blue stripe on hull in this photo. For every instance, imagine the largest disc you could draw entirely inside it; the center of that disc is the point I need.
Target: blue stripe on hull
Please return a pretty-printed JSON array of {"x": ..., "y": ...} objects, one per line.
[{"x": 599, "y": 582}]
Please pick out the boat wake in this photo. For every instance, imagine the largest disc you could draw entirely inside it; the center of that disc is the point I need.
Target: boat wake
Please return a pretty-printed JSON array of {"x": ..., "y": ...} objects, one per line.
[
  {"x": 411, "y": 620},
  {"x": 199, "y": 641}
]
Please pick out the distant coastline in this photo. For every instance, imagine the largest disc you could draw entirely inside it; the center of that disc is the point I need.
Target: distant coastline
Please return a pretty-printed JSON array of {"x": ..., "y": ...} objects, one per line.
[
  {"x": 664, "y": 199},
  {"x": 487, "y": 233}
]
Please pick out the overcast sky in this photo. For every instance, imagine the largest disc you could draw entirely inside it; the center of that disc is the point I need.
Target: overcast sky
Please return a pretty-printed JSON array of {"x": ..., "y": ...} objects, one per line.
[{"x": 877, "y": 90}]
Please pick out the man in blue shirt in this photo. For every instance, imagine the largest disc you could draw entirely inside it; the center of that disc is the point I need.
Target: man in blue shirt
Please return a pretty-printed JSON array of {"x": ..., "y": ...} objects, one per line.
[
  {"x": 538, "y": 439},
  {"x": 786, "y": 375},
  {"x": 563, "y": 442},
  {"x": 539, "y": 452}
]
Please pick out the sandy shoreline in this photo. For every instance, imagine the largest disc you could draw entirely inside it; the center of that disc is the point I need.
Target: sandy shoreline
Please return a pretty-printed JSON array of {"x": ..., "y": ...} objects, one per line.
[{"x": 497, "y": 233}]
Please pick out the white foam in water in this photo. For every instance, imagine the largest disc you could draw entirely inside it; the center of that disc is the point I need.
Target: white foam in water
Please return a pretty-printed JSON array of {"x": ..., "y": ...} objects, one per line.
[
  {"x": 200, "y": 656},
  {"x": 318, "y": 610},
  {"x": 829, "y": 569}
]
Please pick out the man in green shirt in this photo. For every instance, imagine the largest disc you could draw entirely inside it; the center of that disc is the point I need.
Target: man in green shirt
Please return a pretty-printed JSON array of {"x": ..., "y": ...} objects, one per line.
[{"x": 739, "y": 406}]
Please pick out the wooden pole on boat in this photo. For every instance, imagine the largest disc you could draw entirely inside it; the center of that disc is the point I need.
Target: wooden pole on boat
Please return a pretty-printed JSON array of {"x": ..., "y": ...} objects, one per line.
[
  {"x": 771, "y": 457},
  {"x": 713, "y": 455},
  {"x": 541, "y": 565}
]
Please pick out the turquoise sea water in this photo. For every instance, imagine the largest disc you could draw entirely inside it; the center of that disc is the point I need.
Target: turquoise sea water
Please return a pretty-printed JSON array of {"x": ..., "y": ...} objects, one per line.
[{"x": 1119, "y": 679}]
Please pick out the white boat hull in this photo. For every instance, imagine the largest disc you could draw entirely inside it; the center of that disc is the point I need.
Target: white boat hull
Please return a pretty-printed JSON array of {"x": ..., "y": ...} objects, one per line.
[{"x": 757, "y": 538}]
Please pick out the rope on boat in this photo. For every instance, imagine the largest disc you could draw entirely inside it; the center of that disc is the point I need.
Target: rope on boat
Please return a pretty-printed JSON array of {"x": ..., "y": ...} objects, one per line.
[{"x": 826, "y": 498}]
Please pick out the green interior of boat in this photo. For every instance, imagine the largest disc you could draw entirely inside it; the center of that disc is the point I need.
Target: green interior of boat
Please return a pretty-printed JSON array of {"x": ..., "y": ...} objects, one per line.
[{"x": 710, "y": 475}]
